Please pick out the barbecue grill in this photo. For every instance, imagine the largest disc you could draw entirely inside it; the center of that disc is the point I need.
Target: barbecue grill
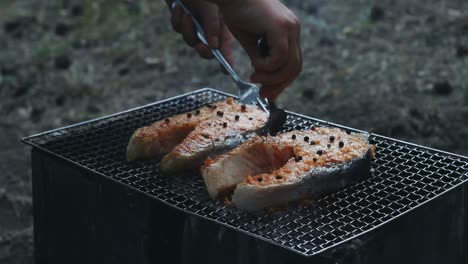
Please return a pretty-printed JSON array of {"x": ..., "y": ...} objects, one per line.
[{"x": 91, "y": 206}]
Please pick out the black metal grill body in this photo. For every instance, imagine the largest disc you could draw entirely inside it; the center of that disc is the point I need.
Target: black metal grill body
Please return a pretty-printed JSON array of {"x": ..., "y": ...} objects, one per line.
[{"x": 91, "y": 206}]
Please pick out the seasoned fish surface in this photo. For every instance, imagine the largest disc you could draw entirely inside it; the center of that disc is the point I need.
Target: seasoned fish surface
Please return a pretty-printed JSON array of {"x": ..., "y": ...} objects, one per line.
[
  {"x": 272, "y": 171},
  {"x": 162, "y": 136},
  {"x": 213, "y": 137}
]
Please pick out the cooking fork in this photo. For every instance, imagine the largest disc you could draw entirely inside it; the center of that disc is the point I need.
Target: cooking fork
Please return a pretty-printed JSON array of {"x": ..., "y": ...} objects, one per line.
[{"x": 248, "y": 92}]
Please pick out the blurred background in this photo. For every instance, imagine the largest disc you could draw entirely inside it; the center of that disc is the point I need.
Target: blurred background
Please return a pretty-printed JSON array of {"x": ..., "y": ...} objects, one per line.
[{"x": 396, "y": 68}]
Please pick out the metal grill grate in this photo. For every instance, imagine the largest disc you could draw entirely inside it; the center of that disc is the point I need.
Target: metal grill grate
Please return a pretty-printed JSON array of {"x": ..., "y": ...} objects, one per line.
[{"x": 405, "y": 176}]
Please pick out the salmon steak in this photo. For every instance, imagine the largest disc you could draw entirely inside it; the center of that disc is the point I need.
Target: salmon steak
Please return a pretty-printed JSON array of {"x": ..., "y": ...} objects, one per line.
[
  {"x": 213, "y": 137},
  {"x": 189, "y": 138},
  {"x": 268, "y": 172}
]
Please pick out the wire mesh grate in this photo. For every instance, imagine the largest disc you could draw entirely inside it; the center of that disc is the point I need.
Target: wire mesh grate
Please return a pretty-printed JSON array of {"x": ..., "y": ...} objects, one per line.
[{"x": 404, "y": 177}]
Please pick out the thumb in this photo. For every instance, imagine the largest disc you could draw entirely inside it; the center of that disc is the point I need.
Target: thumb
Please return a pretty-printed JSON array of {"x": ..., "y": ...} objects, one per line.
[
  {"x": 211, "y": 21},
  {"x": 226, "y": 44}
]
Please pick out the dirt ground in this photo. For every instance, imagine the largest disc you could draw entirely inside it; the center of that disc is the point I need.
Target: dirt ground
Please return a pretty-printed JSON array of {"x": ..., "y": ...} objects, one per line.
[{"x": 399, "y": 68}]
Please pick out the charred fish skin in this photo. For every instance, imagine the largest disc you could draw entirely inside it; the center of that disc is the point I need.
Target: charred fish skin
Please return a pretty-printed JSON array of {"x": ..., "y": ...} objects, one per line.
[
  {"x": 173, "y": 162},
  {"x": 272, "y": 171},
  {"x": 314, "y": 184}
]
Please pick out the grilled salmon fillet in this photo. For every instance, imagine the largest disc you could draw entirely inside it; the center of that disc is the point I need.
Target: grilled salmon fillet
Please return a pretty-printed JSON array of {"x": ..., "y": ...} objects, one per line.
[
  {"x": 271, "y": 171},
  {"x": 213, "y": 137},
  {"x": 162, "y": 136}
]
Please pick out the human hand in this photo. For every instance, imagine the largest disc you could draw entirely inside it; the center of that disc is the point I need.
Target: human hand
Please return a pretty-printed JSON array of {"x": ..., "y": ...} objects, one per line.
[
  {"x": 250, "y": 20},
  {"x": 209, "y": 15}
]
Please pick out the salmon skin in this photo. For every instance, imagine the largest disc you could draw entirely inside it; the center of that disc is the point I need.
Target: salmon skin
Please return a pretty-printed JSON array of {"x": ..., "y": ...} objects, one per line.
[
  {"x": 190, "y": 137},
  {"x": 267, "y": 172}
]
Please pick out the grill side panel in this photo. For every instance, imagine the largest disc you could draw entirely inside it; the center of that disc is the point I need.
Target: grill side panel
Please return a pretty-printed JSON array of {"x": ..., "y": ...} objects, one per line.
[{"x": 84, "y": 218}]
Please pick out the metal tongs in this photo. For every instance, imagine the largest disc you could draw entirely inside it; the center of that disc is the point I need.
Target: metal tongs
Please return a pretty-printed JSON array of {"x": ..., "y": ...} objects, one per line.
[{"x": 248, "y": 92}]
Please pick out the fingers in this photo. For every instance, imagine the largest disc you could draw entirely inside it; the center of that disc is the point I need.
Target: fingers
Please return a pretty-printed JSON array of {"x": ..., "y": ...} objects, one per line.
[
  {"x": 211, "y": 21},
  {"x": 176, "y": 18},
  {"x": 250, "y": 20},
  {"x": 212, "y": 26},
  {"x": 203, "y": 50},
  {"x": 249, "y": 43},
  {"x": 289, "y": 70},
  {"x": 187, "y": 30},
  {"x": 283, "y": 71},
  {"x": 273, "y": 91},
  {"x": 209, "y": 16},
  {"x": 279, "y": 46},
  {"x": 226, "y": 46}
]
